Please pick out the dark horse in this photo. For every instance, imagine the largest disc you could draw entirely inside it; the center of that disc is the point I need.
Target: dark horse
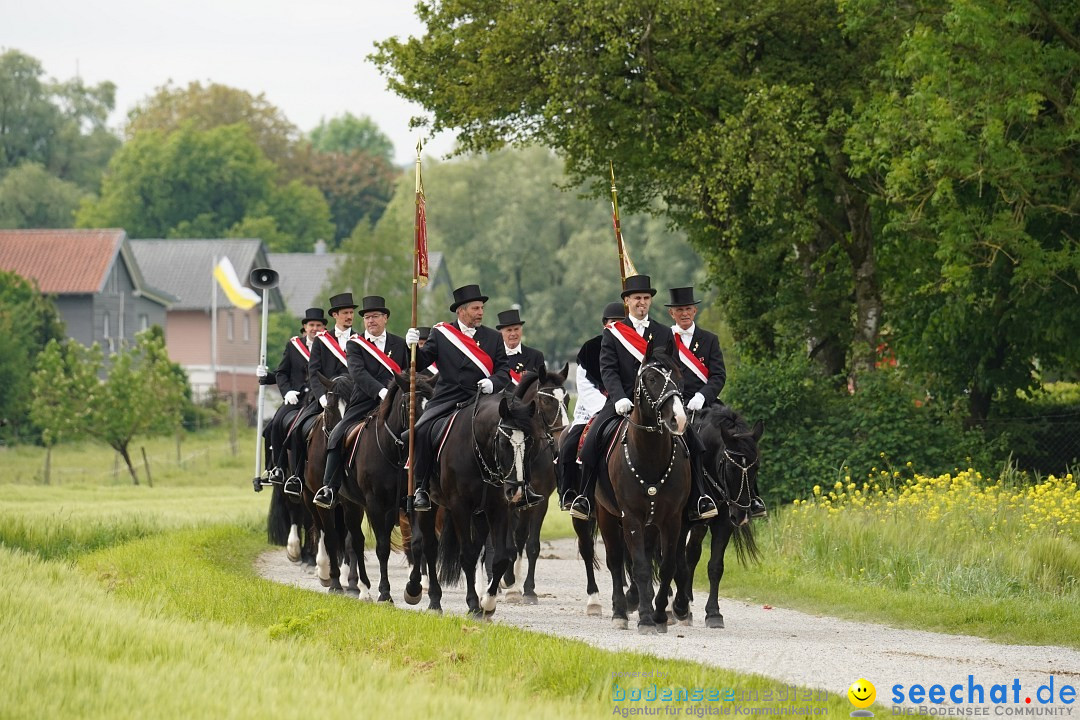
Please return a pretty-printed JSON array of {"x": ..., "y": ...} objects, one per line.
[
  {"x": 648, "y": 483},
  {"x": 375, "y": 470},
  {"x": 546, "y": 389},
  {"x": 332, "y": 524},
  {"x": 289, "y": 523},
  {"x": 485, "y": 458},
  {"x": 731, "y": 466}
]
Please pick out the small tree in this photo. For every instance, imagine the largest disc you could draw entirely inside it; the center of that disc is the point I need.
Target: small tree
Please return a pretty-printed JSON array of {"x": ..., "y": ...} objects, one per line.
[
  {"x": 142, "y": 395},
  {"x": 64, "y": 376}
]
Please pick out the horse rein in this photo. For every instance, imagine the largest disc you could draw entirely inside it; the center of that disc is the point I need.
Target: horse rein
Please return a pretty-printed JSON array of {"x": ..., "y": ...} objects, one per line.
[
  {"x": 744, "y": 482},
  {"x": 497, "y": 476},
  {"x": 666, "y": 393}
]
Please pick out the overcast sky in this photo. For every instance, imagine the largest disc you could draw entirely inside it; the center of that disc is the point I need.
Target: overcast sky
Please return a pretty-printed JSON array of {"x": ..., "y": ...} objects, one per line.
[{"x": 307, "y": 56}]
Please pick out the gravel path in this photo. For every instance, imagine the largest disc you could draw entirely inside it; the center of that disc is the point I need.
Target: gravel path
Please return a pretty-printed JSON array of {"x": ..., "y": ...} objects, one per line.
[{"x": 791, "y": 646}]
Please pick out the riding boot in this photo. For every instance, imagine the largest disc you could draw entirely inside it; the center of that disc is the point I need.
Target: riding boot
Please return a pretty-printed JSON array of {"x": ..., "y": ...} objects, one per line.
[
  {"x": 581, "y": 507},
  {"x": 704, "y": 508},
  {"x": 568, "y": 484},
  {"x": 529, "y": 498},
  {"x": 326, "y": 496},
  {"x": 420, "y": 501},
  {"x": 294, "y": 486},
  {"x": 757, "y": 507}
]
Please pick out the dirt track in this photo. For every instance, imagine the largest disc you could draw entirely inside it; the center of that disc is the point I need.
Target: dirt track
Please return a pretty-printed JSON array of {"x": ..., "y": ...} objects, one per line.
[{"x": 795, "y": 647}]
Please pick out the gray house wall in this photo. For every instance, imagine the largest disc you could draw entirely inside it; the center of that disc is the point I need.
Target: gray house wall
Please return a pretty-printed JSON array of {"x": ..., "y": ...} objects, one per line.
[{"x": 77, "y": 312}]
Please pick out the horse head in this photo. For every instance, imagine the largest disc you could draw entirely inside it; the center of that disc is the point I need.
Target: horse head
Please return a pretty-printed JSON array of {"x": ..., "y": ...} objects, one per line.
[
  {"x": 515, "y": 439},
  {"x": 547, "y": 391},
  {"x": 338, "y": 391},
  {"x": 737, "y": 459},
  {"x": 394, "y": 408},
  {"x": 658, "y": 391}
]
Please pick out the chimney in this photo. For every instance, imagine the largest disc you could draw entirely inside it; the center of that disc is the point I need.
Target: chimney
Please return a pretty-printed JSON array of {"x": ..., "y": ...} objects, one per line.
[{"x": 320, "y": 247}]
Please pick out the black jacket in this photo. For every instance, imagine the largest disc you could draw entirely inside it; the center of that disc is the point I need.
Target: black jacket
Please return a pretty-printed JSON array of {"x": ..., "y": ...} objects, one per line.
[
  {"x": 528, "y": 359},
  {"x": 705, "y": 346},
  {"x": 458, "y": 374},
  {"x": 618, "y": 368},
  {"x": 369, "y": 376},
  {"x": 325, "y": 361},
  {"x": 292, "y": 371}
]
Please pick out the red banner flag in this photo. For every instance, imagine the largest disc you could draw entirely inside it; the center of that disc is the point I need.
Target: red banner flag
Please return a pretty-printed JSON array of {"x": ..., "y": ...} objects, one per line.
[{"x": 421, "y": 270}]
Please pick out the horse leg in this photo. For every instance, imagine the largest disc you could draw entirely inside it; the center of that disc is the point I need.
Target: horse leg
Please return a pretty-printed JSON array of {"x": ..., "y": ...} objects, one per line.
[
  {"x": 471, "y": 539},
  {"x": 669, "y": 567},
  {"x": 430, "y": 549},
  {"x": 721, "y": 533},
  {"x": 357, "y": 568},
  {"x": 693, "y": 554},
  {"x": 414, "y": 590},
  {"x": 532, "y": 551},
  {"x": 634, "y": 536},
  {"x": 684, "y": 577},
  {"x": 500, "y": 533},
  {"x": 382, "y": 524},
  {"x": 515, "y": 544},
  {"x": 614, "y": 549},
  {"x": 584, "y": 531},
  {"x": 328, "y": 538}
]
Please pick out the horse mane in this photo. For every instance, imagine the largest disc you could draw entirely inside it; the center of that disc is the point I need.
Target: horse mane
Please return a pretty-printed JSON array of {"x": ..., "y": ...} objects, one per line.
[
  {"x": 733, "y": 428},
  {"x": 529, "y": 381},
  {"x": 342, "y": 385},
  {"x": 520, "y": 415},
  {"x": 666, "y": 361}
]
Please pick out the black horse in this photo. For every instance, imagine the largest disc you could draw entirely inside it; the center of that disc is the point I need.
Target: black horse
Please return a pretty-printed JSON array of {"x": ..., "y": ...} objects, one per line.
[
  {"x": 546, "y": 389},
  {"x": 375, "y": 471},
  {"x": 333, "y": 524},
  {"x": 640, "y": 506},
  {"x": 289, "y": 523},
  {"x": 731, "y": 464},
  {"x": 486, "y": 457}
]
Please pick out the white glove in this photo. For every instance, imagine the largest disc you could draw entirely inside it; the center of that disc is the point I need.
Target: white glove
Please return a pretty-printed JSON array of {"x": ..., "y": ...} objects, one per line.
[
  {"x": 486, "y": 386},
  {"x": 383, "y": 393},
  {"x": 696, "y": 403},
  {"x": 292, "y": 397},
  {"x": 624, "y": 406},
  {"x": 322, "y": 401},
  {"x": 412, "y": 336},
  {"x": 260, "y": 371}
]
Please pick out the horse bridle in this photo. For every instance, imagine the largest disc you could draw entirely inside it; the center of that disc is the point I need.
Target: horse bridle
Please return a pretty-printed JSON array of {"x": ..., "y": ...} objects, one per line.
[
  {"x": 744, "y": 482},
  {"x": 497, "y": 476},
  {"x": 669, "y": 388},
  {"x": 551, "y": 426},
  {"x": 398, "y": 443}
]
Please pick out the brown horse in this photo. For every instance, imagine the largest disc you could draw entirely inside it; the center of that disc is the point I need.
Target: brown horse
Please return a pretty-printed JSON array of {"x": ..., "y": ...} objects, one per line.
[
  {"x": 375, "y": 475},
  {"x": 333, "y": 524},
  {"x": 640, "y": 506},
  {"x": 486, "y": 456}
]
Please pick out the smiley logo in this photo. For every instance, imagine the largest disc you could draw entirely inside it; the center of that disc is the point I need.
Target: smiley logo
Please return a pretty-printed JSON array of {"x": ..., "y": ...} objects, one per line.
[{"x": 862, "y": 694}]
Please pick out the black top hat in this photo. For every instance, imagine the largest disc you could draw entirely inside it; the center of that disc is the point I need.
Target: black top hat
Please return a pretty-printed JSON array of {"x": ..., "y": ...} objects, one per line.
[
  {"x": 340, "y": 302},
  {"x": 638, "y": 284},
  {"x": 508, "y": 318},
  {"x": 467, "y": 294},
  {"x": 614, "y": 311},
  {"x": 682, "y": 296},
  {"x": 424, "y": 332},
  {"x": 374, "y": 303},
  {"x": 313, "y": 315}
]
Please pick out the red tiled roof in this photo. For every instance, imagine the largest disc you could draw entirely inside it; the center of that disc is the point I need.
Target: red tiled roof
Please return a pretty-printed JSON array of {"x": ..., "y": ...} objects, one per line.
[{"x": 61, "y": 261}]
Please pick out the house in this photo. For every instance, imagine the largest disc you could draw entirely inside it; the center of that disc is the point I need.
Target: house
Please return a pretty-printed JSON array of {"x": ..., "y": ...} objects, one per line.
[
  {"x": 95, "y": 279},
  {"x": 225, "y": 361}
]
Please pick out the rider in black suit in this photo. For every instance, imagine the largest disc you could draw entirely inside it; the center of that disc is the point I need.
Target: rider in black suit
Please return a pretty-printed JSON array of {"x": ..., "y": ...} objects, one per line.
[
  {"x": 459, "y": 375},
  {"x": 520, "y": 357},
  {"x": 618, "y": 370},
  {"x": 371, "y": 374}
]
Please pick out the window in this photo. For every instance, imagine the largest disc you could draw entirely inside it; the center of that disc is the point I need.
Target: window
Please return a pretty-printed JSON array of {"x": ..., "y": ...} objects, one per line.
[
  {"x": 229, "y": 326},
  {"x": 144, "y": 322},
  {"x": 105, "y": 326},
  {"x": 247, "y": 328}
]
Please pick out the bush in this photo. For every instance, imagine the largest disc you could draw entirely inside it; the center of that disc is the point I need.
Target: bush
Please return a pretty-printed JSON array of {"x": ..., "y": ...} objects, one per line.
[{"x": 818, "y": 433}]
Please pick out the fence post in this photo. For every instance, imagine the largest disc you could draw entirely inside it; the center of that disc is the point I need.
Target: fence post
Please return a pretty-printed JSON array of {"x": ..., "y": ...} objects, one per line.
[{"x": 146, "y": 465}]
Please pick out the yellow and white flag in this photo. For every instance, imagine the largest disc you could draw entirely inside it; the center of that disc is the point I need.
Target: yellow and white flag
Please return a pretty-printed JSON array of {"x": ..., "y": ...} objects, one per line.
[{"x": 242, "y": 297}]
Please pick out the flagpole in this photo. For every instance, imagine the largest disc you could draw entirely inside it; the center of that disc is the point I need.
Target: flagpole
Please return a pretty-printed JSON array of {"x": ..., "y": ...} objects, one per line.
[
  {"x": 412, "y": 350},
  {"x": 213, "y": 327},
  {"x": 618, "y": 229}
]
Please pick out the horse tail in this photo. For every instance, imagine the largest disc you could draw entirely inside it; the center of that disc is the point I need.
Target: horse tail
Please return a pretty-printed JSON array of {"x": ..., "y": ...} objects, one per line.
[
  {"x": 278, "y": 519},
  {"x": 746, "y": 549},
  {"x": 401, "y": 534},
  {"x": 449, "y": 555}
]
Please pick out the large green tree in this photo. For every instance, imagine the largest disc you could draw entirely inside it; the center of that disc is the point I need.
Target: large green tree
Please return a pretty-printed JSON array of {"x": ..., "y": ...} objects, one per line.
[
  {"x": 733, "y": 115},
  {"x": 348, "y": 133},
  {"x": 972, "y": 140},
  {"x": 32, "y": 197},
  {"x": 58, "y": 125},
  {"x": 356, "y": 185}
]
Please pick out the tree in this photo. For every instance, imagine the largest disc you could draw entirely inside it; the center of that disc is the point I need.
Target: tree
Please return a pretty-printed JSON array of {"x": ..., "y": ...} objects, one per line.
[
  {"x": 31, "y": 321},
  {"x": 58, "y": 125},
  {"x": 356, "y": 185},
  {"x": 64, "y": 375},
  {"x": 31, "y": 197},
  {"x": 971, "y": 139},
  {"x": 205, "y": 108},
  {"x": 348, "y": 134},
  {"x": 728, "y": 118}
]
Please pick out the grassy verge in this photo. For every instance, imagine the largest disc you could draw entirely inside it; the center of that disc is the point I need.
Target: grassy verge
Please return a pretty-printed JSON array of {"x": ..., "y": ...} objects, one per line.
[{"x": 959, "y": 554}]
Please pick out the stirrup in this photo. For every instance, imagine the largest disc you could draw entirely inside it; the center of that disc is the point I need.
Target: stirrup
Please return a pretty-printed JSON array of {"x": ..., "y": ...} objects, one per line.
[
  {"x": 567, "y": 500},
  {"x": 757, "y": 507},
  {"x": 711, "y": 512},
  {"x": 581, "y": 508},
  {"x": 424, "y": 506},
  {"x": 293, "y": 486},
  {"x": 275, "y": 476},
  {"x": 324, "y": 498}
]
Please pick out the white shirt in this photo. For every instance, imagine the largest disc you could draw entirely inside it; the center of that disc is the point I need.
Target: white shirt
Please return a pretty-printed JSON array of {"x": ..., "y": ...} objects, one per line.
[
  {"x": 589, "y": 398},
  {"x": 379, "y": 341},
  {"x": 640, "y": 325},
  {"x": 469, "y": 331},
  {"x": 685, "y": 335},
  {"x": 342, "y": 336},
  {"x": 515, "y": 351}
]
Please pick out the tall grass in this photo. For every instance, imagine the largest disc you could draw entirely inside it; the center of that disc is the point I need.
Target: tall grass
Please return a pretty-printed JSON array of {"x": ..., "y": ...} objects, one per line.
[{"x": 962, "y": 553}]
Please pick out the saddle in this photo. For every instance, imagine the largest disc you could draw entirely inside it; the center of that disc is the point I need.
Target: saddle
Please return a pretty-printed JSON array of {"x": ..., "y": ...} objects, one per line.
[{"x": 353, "y": 436}]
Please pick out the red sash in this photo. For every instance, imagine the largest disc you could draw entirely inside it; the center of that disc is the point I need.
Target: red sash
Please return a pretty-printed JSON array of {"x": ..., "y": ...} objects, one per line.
[
  {"x": 385, "y": 360},
  {"x": 690, "y": 360},
  {"x": 331, "y": 343},
  {"x": 301, "y": 346},
  {"x": 628, "y": 337},
  {"x": 515, "y": 377},
  {"x": 467, "y": 345}
]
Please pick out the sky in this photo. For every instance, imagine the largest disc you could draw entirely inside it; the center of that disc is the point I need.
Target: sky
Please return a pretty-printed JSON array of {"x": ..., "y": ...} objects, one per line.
[{"x": 309, "y": 57}]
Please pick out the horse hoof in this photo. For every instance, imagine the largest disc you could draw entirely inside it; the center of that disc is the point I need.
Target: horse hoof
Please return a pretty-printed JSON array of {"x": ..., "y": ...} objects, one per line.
[
  {"x": 326, "y": 583},
  {"x": 660, "y": 628},
  {"x": 530, "y": 599},
  {"x": 385, "y": 598},
  {"x": 594, "y": 610},
  {"x": 413, "y": 598},
  {"x": 363, "y": 595},
  {"x": 619, "y": 623},
  {"x": 488, "y": 615},
  {"x": 336, "y": 591},
  {"x": 489, "y": 602},
  {"x": 714, "y": 621},
  {"x": 512, "y": 596},
  {"x": 648, "y": 629},
  {"x": 687, "y": 621},
  {"x": 353, "y": 592}
]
